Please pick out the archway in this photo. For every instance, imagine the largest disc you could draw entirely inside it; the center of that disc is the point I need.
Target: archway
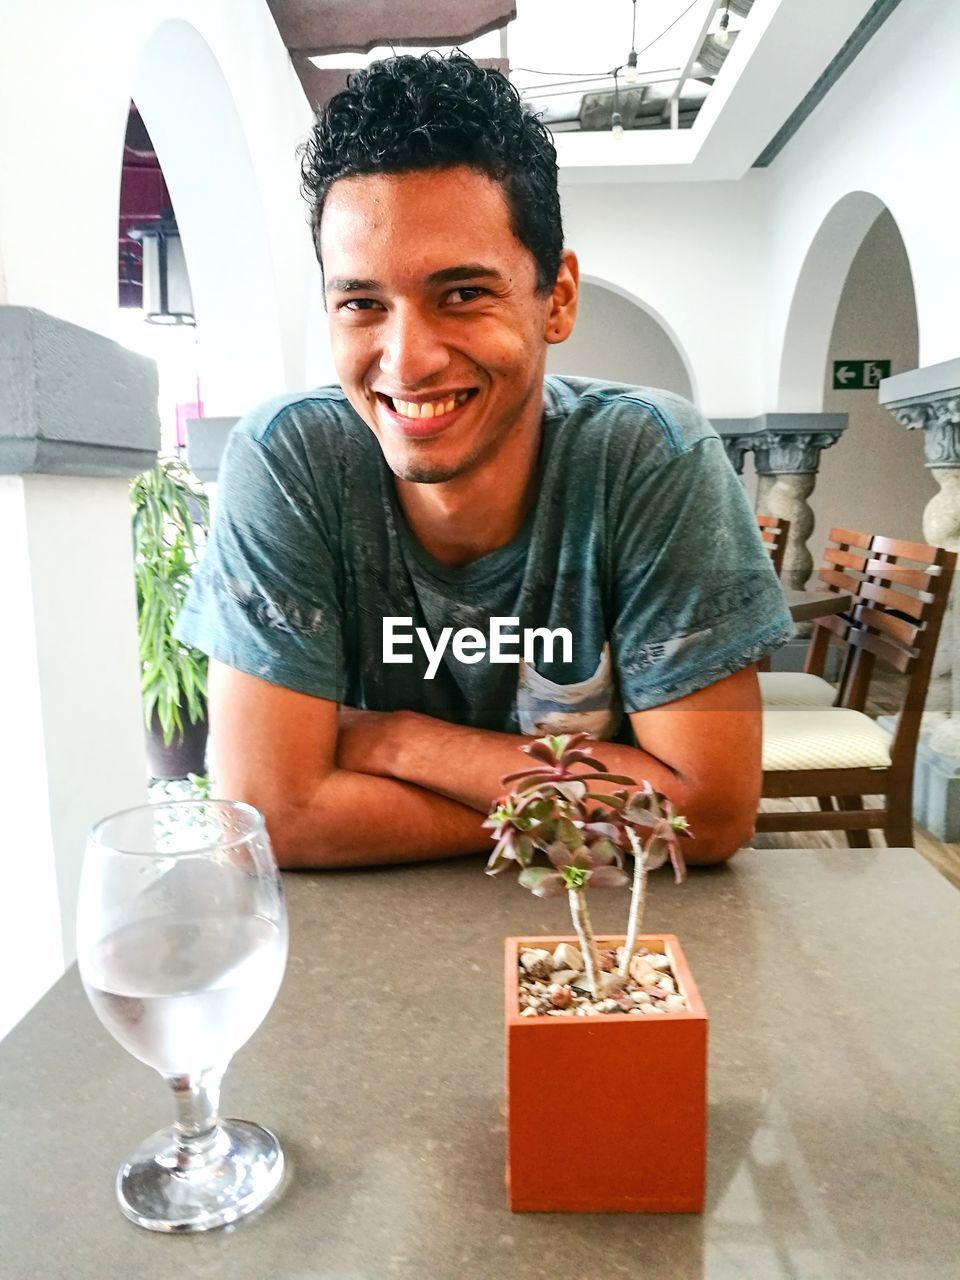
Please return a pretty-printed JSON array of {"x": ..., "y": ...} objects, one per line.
[
  {"x": 816, "y": 297},
  {"x": 855, "y": 300},
  {"x": 190, "y": 114},
  {"x": 619, "y": 337}
]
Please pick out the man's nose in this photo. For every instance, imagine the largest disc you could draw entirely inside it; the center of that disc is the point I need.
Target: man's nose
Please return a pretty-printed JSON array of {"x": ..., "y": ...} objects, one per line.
[{"x": 413, "y": 350}]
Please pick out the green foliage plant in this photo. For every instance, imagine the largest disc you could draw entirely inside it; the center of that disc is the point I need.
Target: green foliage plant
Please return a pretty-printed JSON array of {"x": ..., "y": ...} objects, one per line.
[
  {"x": 565, "y": 835},
  {"x": 171, "y": 514}
]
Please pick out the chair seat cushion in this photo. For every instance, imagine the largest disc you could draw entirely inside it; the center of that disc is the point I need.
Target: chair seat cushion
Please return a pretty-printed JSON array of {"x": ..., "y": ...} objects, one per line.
[
  {"x": 795, "y": 689},
  {"x": 830, "y": 738}
]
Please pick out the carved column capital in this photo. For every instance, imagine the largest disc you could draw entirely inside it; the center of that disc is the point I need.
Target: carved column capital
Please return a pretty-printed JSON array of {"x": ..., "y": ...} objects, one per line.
[
  {"x": 928, "y": 400},
  {"x": 782, "y": 453},
  {"x": 940, "y": 421}
]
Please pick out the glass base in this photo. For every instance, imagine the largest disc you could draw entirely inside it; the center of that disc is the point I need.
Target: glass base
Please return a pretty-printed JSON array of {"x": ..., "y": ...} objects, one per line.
[{"x": 240, "y": 1172}]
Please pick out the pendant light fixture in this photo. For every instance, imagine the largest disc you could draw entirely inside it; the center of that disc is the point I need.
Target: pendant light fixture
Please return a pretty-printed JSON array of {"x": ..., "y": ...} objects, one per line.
[
  {"x": 631, "y": 74},
  {"x": 166, "y": 286}
]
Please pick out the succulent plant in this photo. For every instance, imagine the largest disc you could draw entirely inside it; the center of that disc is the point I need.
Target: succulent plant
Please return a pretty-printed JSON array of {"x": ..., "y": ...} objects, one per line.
[{"x": 566, "y": 836}]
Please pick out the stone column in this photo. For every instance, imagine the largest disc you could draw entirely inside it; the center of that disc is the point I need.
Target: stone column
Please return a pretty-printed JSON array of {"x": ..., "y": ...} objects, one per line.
[
  {"x": 929, "y": 400},
  {"x": 78, "y": 418},
  {"x": 787, "y": 448}
]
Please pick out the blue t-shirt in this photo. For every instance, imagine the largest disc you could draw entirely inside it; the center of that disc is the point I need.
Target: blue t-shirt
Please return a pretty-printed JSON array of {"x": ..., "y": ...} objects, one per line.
[{"x": 638, "y": 576}]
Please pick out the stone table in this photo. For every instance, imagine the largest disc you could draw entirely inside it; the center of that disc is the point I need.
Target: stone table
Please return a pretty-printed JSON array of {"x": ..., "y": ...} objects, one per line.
[{"x": 834, "y": 1143}]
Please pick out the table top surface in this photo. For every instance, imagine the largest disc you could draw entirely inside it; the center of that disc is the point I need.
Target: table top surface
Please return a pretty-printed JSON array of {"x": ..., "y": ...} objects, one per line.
[
  {"x": 807, "y": 605},
  {"x": 831, "y": 980}
]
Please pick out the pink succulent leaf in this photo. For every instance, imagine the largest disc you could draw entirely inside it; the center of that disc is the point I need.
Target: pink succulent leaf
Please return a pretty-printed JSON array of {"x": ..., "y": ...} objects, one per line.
[
  {"x": 607, "y": 878},
  {"x": 542, "y": 882},
  {"x": 679, "y": 866},
  {"x": 540, "y": 750},
  {"x": 609, "y": 802},
  {"x": 573, "y": 792},
  {"x": 598, "y": 827},
  {"x": 568, "y": 834},
  {"x": 605, "y": 853},
  {"x": 560, "y": 855},
  {"x": 642, "y": 819},
  {"x": 656, "y": 854},
  {"x": 534, "y": 782},
  {"x": 525, "y": 851},
  {"x": 583, "y": 757},
  {"x": 605, "y": 777}
]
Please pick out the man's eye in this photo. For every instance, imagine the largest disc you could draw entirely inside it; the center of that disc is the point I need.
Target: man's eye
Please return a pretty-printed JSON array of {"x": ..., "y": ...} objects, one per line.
[
  {"x": 358, "y": 304},
  {"x": 467, "y": 293}
]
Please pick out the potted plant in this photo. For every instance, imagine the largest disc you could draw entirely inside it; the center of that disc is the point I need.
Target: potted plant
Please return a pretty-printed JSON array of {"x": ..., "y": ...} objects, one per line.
[
  {"x": 618, "y": 1020},
  {"x": 169, "y": 508}
]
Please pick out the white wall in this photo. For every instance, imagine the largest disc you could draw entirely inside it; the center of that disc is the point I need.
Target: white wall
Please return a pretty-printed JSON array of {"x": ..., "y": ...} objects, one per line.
[
  {"x": 691, "y": 253},
  {"x": 874, "y": 478},
  {"x": 616, "y": 339}
]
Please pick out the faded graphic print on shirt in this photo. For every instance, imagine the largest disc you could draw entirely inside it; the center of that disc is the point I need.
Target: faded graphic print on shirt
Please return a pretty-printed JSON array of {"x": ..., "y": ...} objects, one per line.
[{"x": 588, "y": 706}]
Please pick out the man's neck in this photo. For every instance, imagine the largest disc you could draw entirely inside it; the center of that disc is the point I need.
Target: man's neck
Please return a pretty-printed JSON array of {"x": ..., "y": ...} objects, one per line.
[{"x": 460, "y": 520}]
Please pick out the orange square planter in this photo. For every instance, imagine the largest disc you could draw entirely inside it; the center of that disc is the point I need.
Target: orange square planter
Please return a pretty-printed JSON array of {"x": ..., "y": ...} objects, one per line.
[{"x": 606, "y": 1114}]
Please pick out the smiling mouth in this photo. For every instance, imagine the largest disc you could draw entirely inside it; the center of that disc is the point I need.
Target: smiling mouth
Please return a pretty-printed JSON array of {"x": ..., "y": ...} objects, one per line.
[{"x": 425, "y": 410}]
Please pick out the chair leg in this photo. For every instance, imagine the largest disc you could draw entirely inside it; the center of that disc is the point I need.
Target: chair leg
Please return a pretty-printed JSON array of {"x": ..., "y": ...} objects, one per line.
[
  {"x": 856, "y": 839},
  {"x": 898, "y": 827}
]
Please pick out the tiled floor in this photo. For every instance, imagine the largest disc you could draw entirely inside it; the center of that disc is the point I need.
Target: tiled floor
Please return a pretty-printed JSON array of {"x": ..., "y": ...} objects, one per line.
[{"x": 884, "y": 700}]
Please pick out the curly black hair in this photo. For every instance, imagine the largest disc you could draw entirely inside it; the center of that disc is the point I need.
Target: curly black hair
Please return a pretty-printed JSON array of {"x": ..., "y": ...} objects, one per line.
[{"x": 434, "y": 112}]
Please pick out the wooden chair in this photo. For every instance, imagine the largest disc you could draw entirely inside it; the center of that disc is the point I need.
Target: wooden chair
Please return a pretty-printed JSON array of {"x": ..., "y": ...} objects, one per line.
[
  {"x": 774, "y": 531},
  {"x": 838, "y": 753},
  {"x": 844, "y": 565}
]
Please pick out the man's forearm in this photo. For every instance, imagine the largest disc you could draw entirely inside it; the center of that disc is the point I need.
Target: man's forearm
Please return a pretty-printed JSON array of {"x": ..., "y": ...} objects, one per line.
[
  {"x": 465, "y": 765},
  {"x": 355, "y": 819}
]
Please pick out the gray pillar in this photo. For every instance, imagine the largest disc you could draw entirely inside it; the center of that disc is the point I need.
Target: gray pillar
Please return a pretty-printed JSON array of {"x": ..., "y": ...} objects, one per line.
[
  {"x": 78, "y": 418},
  {"x": 928, "y": 400},
  {"x": 787, "y": 448}
]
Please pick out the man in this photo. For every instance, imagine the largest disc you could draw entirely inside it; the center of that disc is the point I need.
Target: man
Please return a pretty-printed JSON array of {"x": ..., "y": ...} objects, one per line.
[{"x": 412, "y": 574}]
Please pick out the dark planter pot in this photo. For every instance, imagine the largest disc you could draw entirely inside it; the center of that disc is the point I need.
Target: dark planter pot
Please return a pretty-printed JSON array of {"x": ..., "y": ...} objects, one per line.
[{"x": 185, "y": 754}]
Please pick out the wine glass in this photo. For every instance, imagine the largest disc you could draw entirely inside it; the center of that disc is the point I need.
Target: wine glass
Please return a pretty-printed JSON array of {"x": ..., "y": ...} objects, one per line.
[{"x": 182, "y": 944}]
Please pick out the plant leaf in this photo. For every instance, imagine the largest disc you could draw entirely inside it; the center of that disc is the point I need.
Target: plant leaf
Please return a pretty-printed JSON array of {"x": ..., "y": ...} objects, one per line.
[{"x": 542, "y": 881}]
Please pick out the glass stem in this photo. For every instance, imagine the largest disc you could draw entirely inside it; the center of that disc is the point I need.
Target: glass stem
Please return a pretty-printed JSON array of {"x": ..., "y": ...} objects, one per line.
[{"x": 197, "y": 1128}]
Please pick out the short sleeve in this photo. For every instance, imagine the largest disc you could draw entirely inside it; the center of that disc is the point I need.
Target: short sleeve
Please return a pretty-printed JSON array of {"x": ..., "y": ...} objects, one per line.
[
  {"x": 695, "y": 594},
  {"x": 265, "y": 597}
]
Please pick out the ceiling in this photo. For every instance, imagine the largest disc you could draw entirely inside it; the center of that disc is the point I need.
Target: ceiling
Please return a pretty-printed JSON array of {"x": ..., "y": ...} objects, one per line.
[{"x": 717, "y": 81}]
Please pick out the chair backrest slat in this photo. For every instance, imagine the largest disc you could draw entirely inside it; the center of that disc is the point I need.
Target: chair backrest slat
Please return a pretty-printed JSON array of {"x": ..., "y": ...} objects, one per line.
[
  {"x": 851, "y": 537},
  {"x": 898, "y": 547},
  {"x": 839, "y": 581},
  {"x": 774, "y": 531},
  {"x": 902, "y": 575},
  {"x": 901, "y": 659},
  {"x": 911, "y": 605},
  {"x": 847, "y": 559},
  {"x": 900, "y": 629}
]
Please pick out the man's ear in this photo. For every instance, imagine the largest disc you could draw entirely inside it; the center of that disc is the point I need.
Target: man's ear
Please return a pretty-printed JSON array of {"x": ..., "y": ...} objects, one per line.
[{"x": 562, "y": 311}]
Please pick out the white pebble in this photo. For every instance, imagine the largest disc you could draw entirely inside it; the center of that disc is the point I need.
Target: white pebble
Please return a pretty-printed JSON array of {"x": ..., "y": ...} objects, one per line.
[{"x": 567, "y": 956}]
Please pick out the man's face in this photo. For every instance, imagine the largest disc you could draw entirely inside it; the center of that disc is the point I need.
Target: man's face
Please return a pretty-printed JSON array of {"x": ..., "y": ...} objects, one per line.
[{"x": 437, "y": 331}]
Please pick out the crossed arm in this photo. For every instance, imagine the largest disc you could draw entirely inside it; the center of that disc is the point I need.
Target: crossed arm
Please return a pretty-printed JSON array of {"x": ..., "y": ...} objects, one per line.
[{"x": 350, "y": 788}]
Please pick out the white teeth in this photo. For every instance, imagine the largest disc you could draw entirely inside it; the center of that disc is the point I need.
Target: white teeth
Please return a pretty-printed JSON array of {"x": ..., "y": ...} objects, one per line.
[{"x": 430, "y": 408}]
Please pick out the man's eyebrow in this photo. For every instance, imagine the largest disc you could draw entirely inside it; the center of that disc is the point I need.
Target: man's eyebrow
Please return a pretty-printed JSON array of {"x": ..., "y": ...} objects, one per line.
[
  {"x": 351, "y": 286},
  {"x": 446, "y": 275},
  {"x": 468, "y": 271}
]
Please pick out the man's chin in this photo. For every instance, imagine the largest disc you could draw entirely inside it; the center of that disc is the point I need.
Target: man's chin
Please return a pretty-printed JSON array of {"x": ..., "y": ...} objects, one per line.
[{"x": 424, "y": 473}]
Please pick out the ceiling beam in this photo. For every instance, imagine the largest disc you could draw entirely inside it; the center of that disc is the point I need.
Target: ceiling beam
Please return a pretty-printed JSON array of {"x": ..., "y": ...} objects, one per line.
[{"x": 314, "y": 27}]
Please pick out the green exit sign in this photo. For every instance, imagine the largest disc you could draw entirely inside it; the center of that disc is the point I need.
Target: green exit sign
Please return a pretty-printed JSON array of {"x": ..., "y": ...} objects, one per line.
[{"x": 859, "y": 375}]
